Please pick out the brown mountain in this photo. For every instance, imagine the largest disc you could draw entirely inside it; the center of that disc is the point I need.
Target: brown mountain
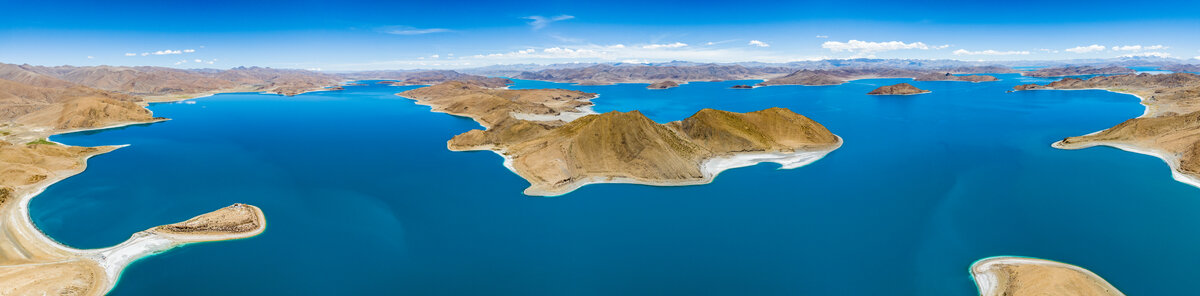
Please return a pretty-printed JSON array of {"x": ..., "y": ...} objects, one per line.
[
  {"x": 1078, "y": 70},
  {"x": 557, "y": 153},
  {"x": 155, "y": 82},
  {"x": 897, "y": 89}
]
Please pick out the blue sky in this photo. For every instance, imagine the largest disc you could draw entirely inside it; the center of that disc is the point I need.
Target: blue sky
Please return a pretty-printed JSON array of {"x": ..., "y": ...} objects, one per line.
[{"x": 361, "y": 35}]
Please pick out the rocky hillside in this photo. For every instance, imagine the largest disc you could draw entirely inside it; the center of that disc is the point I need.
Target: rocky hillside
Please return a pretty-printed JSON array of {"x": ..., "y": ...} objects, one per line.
[
  {"x": 160, "y": 81},
  {"x": 557, "y": 153},
  {"x": 1078, "y": 70},
  {"x": 1170, "y": 127}
]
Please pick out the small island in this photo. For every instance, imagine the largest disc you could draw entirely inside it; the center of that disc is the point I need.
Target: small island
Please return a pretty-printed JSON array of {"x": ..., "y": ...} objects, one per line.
[
  {"x": 741, "y": 86},
  {"x": 1001, "y": 276},
  {"x": 897, "y": 89},
  {"x": 663, "y": 85},
  {"x": 543, "y": 138}
]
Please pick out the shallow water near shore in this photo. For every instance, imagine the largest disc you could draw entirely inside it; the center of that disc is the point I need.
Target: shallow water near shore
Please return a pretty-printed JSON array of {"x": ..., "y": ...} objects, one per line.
[{"x": 362, "y": 197}]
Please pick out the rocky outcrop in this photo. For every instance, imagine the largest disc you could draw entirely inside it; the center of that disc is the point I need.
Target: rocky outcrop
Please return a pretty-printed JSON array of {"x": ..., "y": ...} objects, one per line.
[
  {"x": 741, "y": 86},
  {"x": 897, "y": 89},
  {"x": 1078, "y": 70},
  {"x": 663, "y": 85}
]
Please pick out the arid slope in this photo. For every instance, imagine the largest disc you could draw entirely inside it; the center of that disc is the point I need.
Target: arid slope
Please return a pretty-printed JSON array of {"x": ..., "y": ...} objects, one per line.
[
  {"x": 1169, "y": 129},
  {"x": 557, "y": 156}
]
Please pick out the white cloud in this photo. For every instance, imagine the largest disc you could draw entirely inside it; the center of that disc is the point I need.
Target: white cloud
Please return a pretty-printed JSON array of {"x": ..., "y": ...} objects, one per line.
[
  {"x": 538, "y": 22},
  {"x": 198, "y": 61},
  {"x": 989, "y": 52},
  {"x": 406, "y": 30},
  {"x": 91, "y": 57},
  {"x": 162, "y": 52},
  {"x": 759, "y": 43},
  {"x": 870, "y": 47},
  {"x": 823, "y": 36},
  {"x": 1086, "y": 49},
  {"x": 435, "y": 56},
  {"x": 671, "y": 45},
  {"x": 1197, "y": 57},
  {"x": 1137, "y": 47},
  {"x": 1146, "y": 54}
]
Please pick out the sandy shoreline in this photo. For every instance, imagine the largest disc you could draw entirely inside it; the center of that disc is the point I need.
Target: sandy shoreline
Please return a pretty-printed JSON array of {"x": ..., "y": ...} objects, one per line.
[
  {"x": 989, "y": 279},
  {"x": 34, "y": 248},
  {"x": 710, "y": 167},
  {"x": 1171, "y": 159}
]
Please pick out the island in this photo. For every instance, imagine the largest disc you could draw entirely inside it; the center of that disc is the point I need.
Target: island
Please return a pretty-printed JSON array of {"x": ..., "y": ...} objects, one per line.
[
  {"x": 898, "y": 89},
  {"x": 544, "y": 139},
  {"x": 1078, "y": 70},
  {"x": 663, "y": 85},
  {"x": 952, "y": 77},
  {"x": 741, "y": 86},
  {"x": 1016, "y": 276},
  {"x": 1169, "y": 128}
]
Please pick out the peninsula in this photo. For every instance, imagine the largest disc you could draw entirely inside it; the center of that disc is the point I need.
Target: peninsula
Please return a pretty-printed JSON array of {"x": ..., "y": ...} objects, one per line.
[
  {"x": 1017, "y": 276},
  {"x": 1169, "y": 128},
  {"x": 35, "y": 104},
  {"x": 543, "y": 140},
  {"x": 897, "y": 89}
]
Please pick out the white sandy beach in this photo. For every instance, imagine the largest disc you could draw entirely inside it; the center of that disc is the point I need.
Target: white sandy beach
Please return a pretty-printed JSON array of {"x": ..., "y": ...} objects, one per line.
[{"x": 710, "y": 167}]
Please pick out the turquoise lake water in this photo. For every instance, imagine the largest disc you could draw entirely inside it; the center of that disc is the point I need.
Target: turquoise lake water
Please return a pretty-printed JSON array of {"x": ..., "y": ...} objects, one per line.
[{"x": 363, "y": 198}]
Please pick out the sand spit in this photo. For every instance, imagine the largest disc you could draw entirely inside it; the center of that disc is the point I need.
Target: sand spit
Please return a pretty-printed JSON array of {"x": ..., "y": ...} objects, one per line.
[{"x": 1018, "y": 276}]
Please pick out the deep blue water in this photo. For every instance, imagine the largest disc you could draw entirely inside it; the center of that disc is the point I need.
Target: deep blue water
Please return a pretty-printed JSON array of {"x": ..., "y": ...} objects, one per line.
[{"x": 362, "y": 197}]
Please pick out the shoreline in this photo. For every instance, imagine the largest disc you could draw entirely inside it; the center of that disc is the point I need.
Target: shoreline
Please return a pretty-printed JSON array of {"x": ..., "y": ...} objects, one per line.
[
  {"x": 112, "y": 260},
  {"x": 1170, "y": 159},
  {"x": 988, "y": 283},
  {"x": 710, "y": 167}
]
